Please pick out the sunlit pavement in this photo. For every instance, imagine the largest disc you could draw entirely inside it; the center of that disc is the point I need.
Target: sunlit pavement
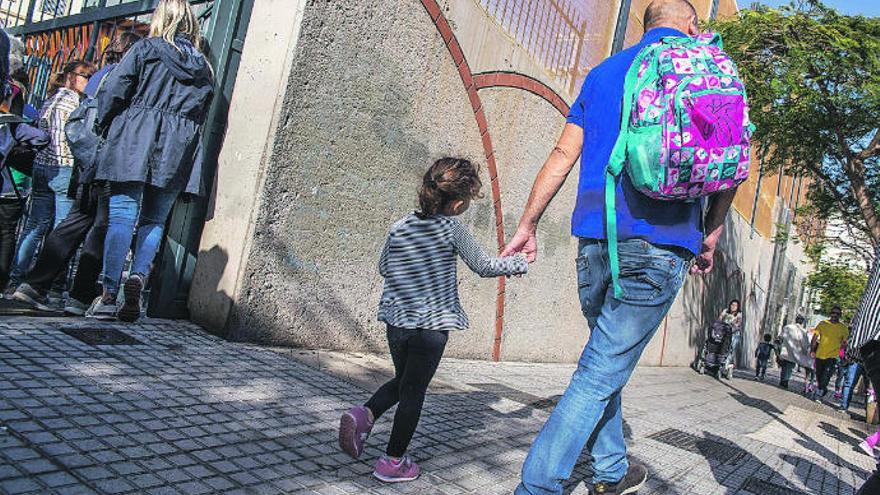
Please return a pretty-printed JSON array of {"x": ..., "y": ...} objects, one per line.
[{"x": 161, "y": 407}]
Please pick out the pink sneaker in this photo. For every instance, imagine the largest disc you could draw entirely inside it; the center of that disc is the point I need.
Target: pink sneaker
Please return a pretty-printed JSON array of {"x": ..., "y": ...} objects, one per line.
[
  {"x": 354, "y": 429},
  {"x": 838, "y": 395},
  {"x": 391, "y": 471},
  {"x": 867, "y": 448}
]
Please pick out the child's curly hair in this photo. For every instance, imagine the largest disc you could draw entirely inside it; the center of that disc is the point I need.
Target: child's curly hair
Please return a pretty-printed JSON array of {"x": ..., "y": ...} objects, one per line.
[{"x": 449, "y": 179}]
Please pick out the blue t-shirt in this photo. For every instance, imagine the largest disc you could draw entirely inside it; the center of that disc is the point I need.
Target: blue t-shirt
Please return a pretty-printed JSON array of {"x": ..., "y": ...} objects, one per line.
[{"x": 597, "y": 110}]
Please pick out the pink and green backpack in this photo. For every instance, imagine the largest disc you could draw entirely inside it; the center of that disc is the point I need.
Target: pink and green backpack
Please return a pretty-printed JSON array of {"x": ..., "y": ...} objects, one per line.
[{"x": 685, "y": 129}]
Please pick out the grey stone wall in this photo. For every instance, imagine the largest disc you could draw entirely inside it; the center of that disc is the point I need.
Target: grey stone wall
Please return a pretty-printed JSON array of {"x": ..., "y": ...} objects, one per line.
[{"x": 373, "y": 98}]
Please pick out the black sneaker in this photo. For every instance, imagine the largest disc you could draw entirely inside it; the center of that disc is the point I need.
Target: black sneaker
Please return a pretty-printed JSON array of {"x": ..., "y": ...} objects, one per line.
[
  {"x": 635, "y": 479},
  {"x": 28, "y": 295},
  {"x": 131, "y": 306}
]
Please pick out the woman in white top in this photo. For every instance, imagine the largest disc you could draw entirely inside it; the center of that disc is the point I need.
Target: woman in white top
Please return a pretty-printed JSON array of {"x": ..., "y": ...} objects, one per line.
[
  {"x": 795, "y": 349},
  {"x": 733, "y": 317}
]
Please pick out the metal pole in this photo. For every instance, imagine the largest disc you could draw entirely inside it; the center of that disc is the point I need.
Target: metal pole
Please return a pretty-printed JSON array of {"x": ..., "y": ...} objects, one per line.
[
  {"x": 620, "y": 29},
  {"x": 757, "y": 195},
  {"x": 93, "y": 38},
  {"x": 30, "y": 12}
]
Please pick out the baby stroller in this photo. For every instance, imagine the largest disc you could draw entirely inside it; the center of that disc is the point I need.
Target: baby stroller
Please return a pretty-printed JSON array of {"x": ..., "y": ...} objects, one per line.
[{"x": 713, "y": 356}]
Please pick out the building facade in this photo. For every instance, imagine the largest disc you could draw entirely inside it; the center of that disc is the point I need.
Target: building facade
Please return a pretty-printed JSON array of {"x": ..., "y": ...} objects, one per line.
[
  {"x": 364, "y": 97},
  {"x": 327, "y": 115}
]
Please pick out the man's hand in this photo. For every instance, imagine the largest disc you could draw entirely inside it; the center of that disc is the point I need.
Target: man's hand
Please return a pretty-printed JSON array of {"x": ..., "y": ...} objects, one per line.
[
  {"x": 547, "y": 184},
  {"x": 705, "y": 261},
  {"x": 524, "y": 242},
  {"x": 714, "y": 224}
]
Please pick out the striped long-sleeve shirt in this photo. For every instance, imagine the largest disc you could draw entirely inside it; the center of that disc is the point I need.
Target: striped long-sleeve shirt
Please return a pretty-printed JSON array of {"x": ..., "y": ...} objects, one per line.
[
  {"x": 53, "y": 117},
  {"x": 866, "y": 322},
  {"x": 419, "y": 265}
]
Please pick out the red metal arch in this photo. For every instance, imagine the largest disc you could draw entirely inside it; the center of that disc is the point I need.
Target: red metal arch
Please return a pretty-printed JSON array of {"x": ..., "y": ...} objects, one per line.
[
  {"x": 504, "y": 79},
  {"x": 472, "y": 84}
]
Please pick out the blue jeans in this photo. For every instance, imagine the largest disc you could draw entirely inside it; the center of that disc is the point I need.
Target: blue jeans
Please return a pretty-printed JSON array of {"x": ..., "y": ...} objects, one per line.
[
  {"x": 853, "y": 371},
  {"x": 589, "y": 413},
  {"x": 127, "y": 199},
  {"x": 49, "y": 205},
  {"x": 735, "y": 340}
]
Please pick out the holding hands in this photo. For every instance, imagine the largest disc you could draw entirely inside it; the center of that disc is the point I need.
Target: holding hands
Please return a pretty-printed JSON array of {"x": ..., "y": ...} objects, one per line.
[{"x": 523, "y": 242}]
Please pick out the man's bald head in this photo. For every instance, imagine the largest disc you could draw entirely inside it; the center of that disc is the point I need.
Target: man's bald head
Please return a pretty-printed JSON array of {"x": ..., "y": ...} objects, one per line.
[{"x": 677, "y": 14}]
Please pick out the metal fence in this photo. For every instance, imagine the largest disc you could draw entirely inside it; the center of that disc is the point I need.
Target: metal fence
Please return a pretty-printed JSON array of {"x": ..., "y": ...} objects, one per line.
[
  {"x": 58, "y": 31},
  {"x": 566, "y": 37}
]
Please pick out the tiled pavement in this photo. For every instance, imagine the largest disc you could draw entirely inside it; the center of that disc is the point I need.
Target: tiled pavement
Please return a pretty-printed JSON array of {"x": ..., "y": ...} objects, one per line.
[{"x": 166, "y": 408}]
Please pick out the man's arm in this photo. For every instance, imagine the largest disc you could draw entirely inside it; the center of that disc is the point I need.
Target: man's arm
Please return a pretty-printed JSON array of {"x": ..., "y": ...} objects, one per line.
[
  {"x": 547, "y": 184},
  {"x": 714, "y": 224}
]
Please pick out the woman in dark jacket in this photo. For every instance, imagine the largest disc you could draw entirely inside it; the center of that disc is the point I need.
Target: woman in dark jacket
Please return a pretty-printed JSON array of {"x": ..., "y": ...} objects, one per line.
[{"x": 151, "y": 109}]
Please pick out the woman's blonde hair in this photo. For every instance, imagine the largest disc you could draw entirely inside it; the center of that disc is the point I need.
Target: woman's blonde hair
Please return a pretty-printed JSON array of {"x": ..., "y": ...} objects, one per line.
[{"x": 174, "y": 18}]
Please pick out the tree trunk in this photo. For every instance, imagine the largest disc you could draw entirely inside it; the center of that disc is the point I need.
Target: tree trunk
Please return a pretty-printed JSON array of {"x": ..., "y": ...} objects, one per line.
[{"x": 855, "y": 170}]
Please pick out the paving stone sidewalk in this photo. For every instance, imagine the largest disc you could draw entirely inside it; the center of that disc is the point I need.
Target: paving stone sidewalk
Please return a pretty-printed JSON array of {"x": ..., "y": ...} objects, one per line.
[{"x": 164, "y": 408}]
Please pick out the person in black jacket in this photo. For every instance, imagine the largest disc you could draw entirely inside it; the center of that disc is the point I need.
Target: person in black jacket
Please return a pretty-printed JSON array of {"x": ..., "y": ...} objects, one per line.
[{"x": 151, "y": 110}]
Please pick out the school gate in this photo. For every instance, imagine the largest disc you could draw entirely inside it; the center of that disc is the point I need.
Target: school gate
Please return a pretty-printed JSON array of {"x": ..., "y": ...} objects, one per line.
[{"x": 58, "y": 31}]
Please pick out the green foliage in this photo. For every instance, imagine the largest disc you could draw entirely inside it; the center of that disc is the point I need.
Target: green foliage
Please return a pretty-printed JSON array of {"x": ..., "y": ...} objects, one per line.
[
  {"x": 783, "y": 234},
  {"x": 813, "y": 78},
  {"x": 838, "y": 285}
]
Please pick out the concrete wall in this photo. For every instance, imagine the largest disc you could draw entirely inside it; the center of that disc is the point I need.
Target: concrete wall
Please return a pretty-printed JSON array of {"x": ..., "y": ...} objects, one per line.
[
  {"x": 373, "y": 97},
  {"x": 259, "y": 89},
  {"x": 369, "y": 94}
]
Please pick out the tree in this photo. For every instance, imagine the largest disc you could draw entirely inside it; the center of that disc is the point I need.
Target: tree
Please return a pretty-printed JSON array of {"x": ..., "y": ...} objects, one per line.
[
  {"x": 838, "y": 285},
  {"x": 813, "y": 78}
]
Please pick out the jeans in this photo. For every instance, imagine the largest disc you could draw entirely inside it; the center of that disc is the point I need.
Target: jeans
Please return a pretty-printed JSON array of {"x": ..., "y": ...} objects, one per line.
[
  {"x": 841, "y": 374},
  {"x": 87, "y": 224},
  {"x": 49, "y": 205},
  {"x": 853, "y": 371},
  {"x": 761, "y": 369},
  {"x": 735, "y": 339},
  {"x": 10, "y": 212},
  {"x": 416, "y": 355},
  {"x": 589, "y": 412},
  {"x": 824, "y": 370},
  {"x": 785, "y": 374},
  {"x": 126, "y": 200}
]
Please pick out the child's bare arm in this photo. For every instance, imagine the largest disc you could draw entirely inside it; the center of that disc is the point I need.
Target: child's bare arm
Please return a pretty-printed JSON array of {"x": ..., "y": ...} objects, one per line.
[{"x": 477, "y": 260}]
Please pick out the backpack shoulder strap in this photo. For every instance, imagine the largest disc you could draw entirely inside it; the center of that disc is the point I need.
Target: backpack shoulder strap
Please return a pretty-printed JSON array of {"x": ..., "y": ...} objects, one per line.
[{"x": 618, "y": 158}]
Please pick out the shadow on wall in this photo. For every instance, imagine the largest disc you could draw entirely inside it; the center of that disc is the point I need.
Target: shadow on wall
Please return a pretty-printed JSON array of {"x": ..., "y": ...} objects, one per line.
[
  {"x": 346, "y": 163},
  {"x": 707, "y": 296},
  {"x": 209, "y": 306},
  {"x": 326, "y": 310}
]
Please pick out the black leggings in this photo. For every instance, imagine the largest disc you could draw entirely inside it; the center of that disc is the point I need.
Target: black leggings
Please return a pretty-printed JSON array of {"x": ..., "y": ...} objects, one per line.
[
  {"x": 10, "y": 213},
  {"x": 416, "y": 355},
  {"x": 87, "y": 221},
  {"x": 824, "y": 370}
]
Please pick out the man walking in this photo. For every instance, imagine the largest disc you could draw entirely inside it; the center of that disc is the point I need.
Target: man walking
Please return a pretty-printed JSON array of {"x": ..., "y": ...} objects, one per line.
[
  {"x": 829, "y": 336},
  {"x": 658, "y": 240}
]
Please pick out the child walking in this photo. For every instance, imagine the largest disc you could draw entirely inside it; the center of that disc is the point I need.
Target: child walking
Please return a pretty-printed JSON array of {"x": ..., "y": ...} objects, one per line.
[
  {"x": 420, "y": 305},
  {"x": 762, "y": 353}
]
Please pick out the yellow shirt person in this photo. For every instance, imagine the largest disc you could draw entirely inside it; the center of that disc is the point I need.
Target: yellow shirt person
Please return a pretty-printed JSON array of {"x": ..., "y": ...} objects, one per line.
[{"x": 831, "y": 336}]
